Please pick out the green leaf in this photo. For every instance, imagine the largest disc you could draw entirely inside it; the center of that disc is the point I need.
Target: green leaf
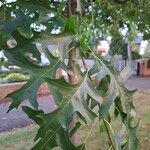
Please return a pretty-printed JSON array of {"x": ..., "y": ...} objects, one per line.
[
  {"x": 123, "y": 99},
  {"x": 48, "y": 139},
  {"x": 29, "y": 90},
  {"x": 71, "y": 25},
  {"x": 35, "y": 5},
  {"x": 22, "y": 21},
  {"x": 25, "y": 31},
  {"x": 126, "y": 73},
  {"x": 119, "y": 109},
  {"x": 77, "y": 97},
  {"x": 74, "y": 100},
  {"x": 82, "y": 31}
]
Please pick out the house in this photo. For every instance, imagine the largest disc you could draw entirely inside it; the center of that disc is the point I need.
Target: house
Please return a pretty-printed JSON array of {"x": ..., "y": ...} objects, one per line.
[
  {"x": 103, "y": 47},
  {"x": 144, "y": 67}
]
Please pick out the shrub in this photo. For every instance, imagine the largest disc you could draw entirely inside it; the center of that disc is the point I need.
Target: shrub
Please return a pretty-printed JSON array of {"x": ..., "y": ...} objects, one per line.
[{"x": 16, "y": 77}]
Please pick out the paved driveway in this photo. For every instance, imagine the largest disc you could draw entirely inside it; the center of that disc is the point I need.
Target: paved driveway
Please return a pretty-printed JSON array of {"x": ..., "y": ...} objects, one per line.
[{"x": 141, "y": 83}]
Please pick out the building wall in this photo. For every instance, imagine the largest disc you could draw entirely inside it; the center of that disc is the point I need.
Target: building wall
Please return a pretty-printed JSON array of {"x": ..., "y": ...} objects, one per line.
[{"x": 145, "y": 68}]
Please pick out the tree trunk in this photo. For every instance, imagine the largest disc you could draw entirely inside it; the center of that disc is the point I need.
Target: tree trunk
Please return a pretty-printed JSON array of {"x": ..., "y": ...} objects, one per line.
[
  {"x": 71, "y": 64},
  {"x": 129, "y": 54},
  {"x": 71, "y": 5}
]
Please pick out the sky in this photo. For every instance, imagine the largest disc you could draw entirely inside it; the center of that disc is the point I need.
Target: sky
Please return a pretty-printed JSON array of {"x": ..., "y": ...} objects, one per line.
[{"x": 8, "y": 1}]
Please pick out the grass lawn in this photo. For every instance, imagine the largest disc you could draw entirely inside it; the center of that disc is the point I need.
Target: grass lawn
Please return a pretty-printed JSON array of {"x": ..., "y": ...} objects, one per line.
[
  {"x": 18, "y": 139},
  {"x": 22, "y": 139},
  {"x": 142, "y": 104}
]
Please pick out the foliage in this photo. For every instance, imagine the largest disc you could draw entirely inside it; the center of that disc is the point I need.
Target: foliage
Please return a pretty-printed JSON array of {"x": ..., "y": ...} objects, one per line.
[
  {"x": 136, "y": 55},
  {"x": 1, "y": 62},
  {"x": 118, "y": 46},
  {"x": 23, "y": 138},
  {"x": 16, "y": 77},
  {"x": 30, "y": 22}
]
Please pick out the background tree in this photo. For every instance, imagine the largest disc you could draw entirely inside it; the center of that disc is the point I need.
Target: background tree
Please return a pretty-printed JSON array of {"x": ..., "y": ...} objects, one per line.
[{"x": 118, "y": 46}]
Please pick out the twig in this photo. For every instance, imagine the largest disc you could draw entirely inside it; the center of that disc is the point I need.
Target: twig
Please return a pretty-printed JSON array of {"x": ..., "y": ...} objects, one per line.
[
  {"x": 85, "y": 67},
  {"x": 109, "y": 136}
]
